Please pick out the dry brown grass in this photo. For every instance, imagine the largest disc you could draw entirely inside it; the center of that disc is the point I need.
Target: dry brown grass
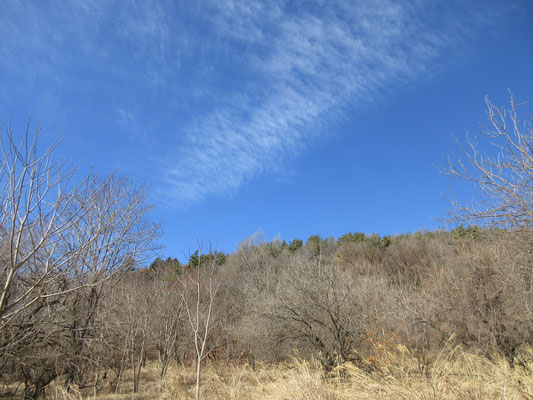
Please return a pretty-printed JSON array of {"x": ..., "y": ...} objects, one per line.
[
  {"x": 295, "y": 380},
  {"x": 454, "y": 375},
  {"x": 149, "y": 389},
  {"x": 396, "y": 374}
]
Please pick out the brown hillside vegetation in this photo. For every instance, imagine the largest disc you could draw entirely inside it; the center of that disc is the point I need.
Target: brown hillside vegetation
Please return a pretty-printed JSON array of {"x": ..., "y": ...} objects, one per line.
[
  {"x": 445, "y": 314},
  {"x": 365, "y": 317}
]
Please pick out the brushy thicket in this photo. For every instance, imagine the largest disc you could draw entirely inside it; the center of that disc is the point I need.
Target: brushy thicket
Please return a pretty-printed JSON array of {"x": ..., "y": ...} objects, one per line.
[{"x": 334, "y": 301}]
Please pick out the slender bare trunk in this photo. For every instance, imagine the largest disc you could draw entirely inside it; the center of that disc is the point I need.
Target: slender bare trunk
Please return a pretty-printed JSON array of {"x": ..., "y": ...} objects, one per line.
[{"x": 198, "y": 371}]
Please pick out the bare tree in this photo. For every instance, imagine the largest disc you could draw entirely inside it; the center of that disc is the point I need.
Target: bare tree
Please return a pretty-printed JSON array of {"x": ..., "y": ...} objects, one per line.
[
  {"x": 167, "y": 327},
  {"x": 61, "y": 237},
  {"x": 200, "y": 287},
  {"x": 325, "y": 312},
  {"x": 55, "y": 227},
  {"x": 504, "y": 183},
  {"x": 504, "y": 179}
]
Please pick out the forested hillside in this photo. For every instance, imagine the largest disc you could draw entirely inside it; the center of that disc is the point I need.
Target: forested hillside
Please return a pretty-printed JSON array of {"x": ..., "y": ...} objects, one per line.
[
  {"x": 353, "y": 299},
  {"x": 85, "y": 301}
]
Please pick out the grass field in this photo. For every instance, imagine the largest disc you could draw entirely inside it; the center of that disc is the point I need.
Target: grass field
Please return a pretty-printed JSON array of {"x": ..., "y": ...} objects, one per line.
[{"x": 454, "y": 374}]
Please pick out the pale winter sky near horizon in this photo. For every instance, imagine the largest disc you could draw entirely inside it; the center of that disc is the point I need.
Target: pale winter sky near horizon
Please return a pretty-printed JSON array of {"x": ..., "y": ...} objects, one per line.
[{"x": 292, "y": 118}]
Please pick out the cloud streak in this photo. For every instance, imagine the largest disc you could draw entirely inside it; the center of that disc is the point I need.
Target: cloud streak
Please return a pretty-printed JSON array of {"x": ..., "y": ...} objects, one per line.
[
  {"x": 213, "y": 94},
  {"x": 309, "y": 66}
]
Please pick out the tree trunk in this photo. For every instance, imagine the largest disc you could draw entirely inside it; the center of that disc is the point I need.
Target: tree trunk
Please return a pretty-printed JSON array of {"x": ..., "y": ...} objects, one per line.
[
  {"x": 137, "y": 371},
  {"x": 198, "y": 370}
]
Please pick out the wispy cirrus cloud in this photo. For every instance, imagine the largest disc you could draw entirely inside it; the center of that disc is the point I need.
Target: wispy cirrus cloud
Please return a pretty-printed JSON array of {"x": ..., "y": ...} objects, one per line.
[
  {"x": 307, "y": 66},
  {"x": 219, "y": 92}
]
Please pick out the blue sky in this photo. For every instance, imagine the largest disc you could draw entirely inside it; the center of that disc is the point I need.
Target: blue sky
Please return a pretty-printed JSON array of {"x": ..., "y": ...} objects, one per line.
[{"x": 293, "y": 118}]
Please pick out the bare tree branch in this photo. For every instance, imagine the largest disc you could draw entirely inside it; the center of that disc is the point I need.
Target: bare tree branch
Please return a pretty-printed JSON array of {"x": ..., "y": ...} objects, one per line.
[{"x": 504, "y": 178}]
